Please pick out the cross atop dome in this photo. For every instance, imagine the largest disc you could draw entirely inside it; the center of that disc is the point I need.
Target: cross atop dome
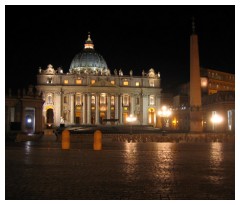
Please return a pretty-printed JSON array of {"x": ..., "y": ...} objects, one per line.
[
  {"x": 89, "y": 37},
  {"x": 89, "y": 43}
]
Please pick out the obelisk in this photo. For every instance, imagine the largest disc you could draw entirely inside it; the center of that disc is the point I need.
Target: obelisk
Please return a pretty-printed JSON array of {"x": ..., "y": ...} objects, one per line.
[{"x": 195, "y": 84}]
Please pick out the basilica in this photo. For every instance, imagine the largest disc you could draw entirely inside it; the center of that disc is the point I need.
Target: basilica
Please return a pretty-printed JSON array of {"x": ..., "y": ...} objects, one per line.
[{"x": 90, "y": 94}]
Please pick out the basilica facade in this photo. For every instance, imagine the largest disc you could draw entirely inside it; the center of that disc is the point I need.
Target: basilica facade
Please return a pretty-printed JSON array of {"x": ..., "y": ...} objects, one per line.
[{"x": 89, "y": 94}]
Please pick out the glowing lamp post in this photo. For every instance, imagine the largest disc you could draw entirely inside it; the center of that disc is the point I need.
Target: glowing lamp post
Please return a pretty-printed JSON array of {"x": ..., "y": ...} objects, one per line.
[
  {"x": 165, "y": 113},
  {"x": 216, "y": 119},
  {"x": 29, "y": 120},
  {"x": 131, "y": 119}
]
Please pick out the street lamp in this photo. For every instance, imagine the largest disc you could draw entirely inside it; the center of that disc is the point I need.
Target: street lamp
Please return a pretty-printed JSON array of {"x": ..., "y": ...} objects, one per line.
[
  {"x": 165, "y": 112},
  {"x": 131, "y": 119},
  {"x": 216, "y": 119}
]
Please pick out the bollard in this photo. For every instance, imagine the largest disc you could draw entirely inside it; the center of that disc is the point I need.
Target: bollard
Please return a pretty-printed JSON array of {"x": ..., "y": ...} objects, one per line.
[
  {"x": 65, "y": 139},
  {"x": 97, "y": 144}
]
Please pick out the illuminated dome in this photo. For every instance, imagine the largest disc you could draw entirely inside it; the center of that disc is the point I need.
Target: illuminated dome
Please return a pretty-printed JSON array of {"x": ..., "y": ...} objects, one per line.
[{"x": 89, "y": 61}]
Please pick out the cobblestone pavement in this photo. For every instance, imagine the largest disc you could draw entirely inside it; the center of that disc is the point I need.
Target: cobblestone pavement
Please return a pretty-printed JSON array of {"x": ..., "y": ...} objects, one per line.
[{"x": 121, "y": 170}]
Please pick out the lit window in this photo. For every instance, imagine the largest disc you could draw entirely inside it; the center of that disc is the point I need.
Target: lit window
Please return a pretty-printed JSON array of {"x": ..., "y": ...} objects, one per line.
[
  {"x": 103, "y": 98},
  {"x": 93, "y": 81},
  {"x": 112, "y": 82},
  {"x": 78, "y": 100},
  {"x": 151, "y": 100},
  {"x": 65, "y": 81},
  {"x": 103, "y": 108},
  {"x": 230, "y": 119},
  {"x": 78, "y": 81},
  {"x": 49, "y": 80},
  {"x": 93, "y": 99},
  {"x": 137, "y": 83},
  {"x": 125, "y": 83},
  {"x": 112, "y": 100},
  {"x": 151, "y": 83}
]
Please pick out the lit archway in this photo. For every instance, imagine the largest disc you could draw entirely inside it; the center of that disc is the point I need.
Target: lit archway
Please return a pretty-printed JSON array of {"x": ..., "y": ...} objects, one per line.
[
  {"x": 151, "y": 116},
  {"x": 125, "y": 115},
  {"x": 50, "y": 116}
]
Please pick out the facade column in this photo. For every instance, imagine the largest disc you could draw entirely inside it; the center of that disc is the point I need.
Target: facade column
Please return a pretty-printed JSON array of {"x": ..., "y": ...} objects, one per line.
[
  {"x": 61, "y": 104},
  {"x": 132, "y": 104},
  {"x": 108, "y": 108},
  {"x": 120, "y": 109},
  {"x": 158, "y": 97},
  {"x": 83, "y": 109},
  {"x": 88, "y": 108},
  {"x": 72, "y": 109},
  {"x": 57, "y": 108},
  {"x": 158, "y": 105},
  {"x": 144, "y": 110},
  {"x": 116, "y": 107},
  {"x": 44, "y": 111},
  {"x": 141, "y": 109},
  {"x": 97, "y": 110}
]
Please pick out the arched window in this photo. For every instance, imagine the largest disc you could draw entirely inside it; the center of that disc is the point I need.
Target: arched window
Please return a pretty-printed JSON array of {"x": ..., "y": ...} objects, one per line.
[
  {"x": 151, "y": 82},
  {"x": 49, "y": 99},
  {"x": 78, "y": 100},
  {"x": 103, "y": 98},
  {"x": 49, "y": 80},
  {"x": 112, "y": 100},
  {"x": 151, "y": 100},
  {"x": 93, "y": 99}
]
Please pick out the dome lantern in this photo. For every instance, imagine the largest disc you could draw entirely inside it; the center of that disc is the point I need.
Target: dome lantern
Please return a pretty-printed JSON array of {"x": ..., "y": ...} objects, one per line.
[{"x": 89, "y": 43}]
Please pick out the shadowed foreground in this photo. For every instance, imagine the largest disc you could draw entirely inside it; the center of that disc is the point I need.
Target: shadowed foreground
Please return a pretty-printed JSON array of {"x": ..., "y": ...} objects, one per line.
[{"x": 122, "y": 170}]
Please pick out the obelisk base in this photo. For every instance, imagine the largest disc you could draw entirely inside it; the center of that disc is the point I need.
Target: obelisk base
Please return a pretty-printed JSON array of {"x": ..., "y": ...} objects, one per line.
[{"x": 196, "y": 121}]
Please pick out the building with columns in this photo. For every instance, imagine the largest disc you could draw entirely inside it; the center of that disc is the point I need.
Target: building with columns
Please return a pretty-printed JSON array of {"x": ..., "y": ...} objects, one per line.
[
  {"x": 23, "y": 112},
  {"x": 209, "y": 95},
  {"x": 89, "y": 94}
]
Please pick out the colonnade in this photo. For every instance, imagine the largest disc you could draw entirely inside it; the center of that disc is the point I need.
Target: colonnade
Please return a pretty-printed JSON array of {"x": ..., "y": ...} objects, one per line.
[
  {"x": 93, "y": 108},
  {"x": 113, "y": 110}
]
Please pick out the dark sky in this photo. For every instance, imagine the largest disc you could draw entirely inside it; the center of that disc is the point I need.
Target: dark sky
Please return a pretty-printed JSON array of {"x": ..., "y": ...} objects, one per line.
[{"x": 128, "y": 37}]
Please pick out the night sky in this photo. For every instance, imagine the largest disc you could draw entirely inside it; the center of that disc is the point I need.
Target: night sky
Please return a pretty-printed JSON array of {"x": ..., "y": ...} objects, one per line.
[{"x": 128, "y": 37}]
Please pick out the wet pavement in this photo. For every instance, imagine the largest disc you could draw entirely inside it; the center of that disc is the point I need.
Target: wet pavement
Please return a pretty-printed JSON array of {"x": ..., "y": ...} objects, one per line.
[{"x": 122, "y": 170}]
